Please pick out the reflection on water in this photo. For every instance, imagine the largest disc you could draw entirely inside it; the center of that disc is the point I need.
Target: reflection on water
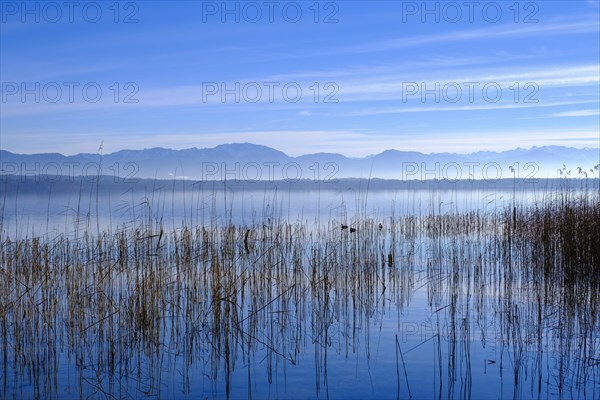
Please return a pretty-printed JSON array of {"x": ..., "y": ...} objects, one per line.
[
  {"x": 460, "y": 305},
  {"x": 444, "y": 304},
  {"x": 51, "y": 211}
]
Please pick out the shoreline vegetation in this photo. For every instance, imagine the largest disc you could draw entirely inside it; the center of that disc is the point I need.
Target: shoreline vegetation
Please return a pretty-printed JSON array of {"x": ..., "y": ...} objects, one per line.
[
  {"x": 119, "y": 307},
  {"x": 43, "y": 184}
]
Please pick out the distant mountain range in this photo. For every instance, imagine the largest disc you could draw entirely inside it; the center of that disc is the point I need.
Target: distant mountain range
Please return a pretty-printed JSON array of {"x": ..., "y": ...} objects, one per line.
[{"x": 249, "y": 162}]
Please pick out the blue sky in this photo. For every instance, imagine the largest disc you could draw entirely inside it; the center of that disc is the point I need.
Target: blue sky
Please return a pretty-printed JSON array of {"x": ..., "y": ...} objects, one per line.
[{"x": 350, "y": 77}]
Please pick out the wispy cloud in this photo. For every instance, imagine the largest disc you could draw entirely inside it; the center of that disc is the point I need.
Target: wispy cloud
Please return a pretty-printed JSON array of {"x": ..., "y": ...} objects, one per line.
[
  {"x": 368, "y": 55},
  {"x": 448, "y": 108},
  {"x": 576, "y": 113},
  {"x": 365, "y": 89},
  {"x": 562, "y": 27}
]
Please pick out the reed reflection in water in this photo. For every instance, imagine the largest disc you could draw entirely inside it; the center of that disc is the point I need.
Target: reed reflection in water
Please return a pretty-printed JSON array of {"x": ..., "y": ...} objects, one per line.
[{"x": 449, "y": 305}]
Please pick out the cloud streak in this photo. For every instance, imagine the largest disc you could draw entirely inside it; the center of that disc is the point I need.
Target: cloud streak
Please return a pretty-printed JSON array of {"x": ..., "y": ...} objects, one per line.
[
  {"x": 576, "y": 113},
  {"x": 560, "y": 27}
]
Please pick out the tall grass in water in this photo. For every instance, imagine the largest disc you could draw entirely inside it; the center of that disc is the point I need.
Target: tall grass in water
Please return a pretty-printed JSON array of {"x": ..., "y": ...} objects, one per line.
[{"x": 122, "y": 308}]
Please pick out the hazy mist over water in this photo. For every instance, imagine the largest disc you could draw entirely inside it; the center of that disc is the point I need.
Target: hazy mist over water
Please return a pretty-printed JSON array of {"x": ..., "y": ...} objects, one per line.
[{"x": 59, "y": 211}]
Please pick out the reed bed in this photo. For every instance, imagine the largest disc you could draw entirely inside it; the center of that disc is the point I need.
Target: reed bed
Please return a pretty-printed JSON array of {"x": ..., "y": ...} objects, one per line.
[{"x": 129, "y": 311}]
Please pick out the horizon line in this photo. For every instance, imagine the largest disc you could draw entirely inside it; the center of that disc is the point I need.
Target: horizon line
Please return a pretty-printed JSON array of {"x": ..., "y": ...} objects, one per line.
[{"x": 302, "y": 155}]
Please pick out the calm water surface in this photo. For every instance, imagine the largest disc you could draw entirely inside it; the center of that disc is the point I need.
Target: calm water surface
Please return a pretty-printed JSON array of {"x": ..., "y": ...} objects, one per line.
[
  {"x": 288, "y": 305},
  {"x": 59, "y": 212}
]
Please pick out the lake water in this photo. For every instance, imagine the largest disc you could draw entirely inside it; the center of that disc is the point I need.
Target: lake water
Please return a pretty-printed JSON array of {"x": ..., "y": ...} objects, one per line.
[
  {"x": 288, "y": 304},
  {"x": 54, "y": 211}
]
